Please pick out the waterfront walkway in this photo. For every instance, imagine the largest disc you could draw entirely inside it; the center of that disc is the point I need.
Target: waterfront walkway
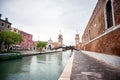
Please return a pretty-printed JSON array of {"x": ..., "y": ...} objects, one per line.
[{"x": 87, "y": 68}]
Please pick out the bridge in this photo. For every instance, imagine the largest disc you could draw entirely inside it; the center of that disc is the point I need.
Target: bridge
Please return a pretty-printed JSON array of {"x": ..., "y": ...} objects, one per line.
[{"x": 65, "y": 48}]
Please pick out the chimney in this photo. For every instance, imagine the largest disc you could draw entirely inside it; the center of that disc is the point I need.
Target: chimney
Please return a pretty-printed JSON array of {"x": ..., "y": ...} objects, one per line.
[
  {"x": 0, "y": 16},
  {"x": 6, "y": 19}
]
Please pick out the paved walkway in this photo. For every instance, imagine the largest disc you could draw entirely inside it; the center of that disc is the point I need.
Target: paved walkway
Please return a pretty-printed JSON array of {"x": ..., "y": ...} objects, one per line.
[{"x": 88, "y": 68}]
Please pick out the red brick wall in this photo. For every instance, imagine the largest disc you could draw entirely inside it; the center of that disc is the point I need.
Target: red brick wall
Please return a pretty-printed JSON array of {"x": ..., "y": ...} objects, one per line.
[
  {"x": 109, "y": 44},
  {"x": 27, "y": 43},
  {"x": 116, "y": 5},
  {"x": 96, "y": 25}
]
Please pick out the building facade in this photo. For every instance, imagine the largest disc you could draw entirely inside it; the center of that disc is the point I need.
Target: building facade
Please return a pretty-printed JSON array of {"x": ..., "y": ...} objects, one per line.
[
  {"x": 14, "y": 30},
  {"x": 102, "y": 33},
  {"x": 27, "y": 43},
  {"x": 35, "y": 45},
  {"x": 51, "y": 44},
  {"x": 4, "y": 24}
]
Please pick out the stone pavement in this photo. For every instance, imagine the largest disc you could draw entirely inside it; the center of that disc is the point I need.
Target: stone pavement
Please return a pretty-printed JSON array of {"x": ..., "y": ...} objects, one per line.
[{"x": 88, "y": 68}]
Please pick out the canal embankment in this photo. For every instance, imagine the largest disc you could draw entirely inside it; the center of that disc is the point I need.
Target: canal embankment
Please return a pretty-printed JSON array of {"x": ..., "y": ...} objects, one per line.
[
  {"x": 20, "y": 54},
  {"x": 10, "y": 56},
  {"x": 67, "y": 70},
  {"x": 31, "y": 53}
]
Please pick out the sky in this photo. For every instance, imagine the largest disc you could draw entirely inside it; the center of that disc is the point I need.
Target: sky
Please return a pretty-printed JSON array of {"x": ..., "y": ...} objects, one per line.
[{"x": 46, "y": 19}]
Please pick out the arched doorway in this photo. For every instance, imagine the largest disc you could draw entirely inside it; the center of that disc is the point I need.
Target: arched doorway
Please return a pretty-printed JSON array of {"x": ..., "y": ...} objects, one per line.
[{"x": 49, "y": 47}]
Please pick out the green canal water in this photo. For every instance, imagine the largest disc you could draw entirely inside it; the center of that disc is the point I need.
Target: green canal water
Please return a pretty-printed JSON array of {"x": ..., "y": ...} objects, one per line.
[{"x": 39, "y": 67}]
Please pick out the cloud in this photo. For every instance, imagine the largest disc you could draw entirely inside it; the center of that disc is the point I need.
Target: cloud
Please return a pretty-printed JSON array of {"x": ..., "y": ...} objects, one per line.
[{"x": 45, "y": 18}]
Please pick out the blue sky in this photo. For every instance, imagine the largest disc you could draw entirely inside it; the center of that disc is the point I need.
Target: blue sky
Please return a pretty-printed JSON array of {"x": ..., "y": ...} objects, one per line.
[{"x": 46, "y": 18}]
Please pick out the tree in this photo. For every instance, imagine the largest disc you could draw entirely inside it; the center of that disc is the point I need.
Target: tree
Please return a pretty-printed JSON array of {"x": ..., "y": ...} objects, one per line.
[
  {"x": 41, "y": 45},
  {"x": 10, "y": 38}
]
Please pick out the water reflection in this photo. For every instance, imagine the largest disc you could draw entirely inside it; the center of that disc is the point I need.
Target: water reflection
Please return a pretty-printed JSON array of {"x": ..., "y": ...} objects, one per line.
[{"x": 40, "y": 67}]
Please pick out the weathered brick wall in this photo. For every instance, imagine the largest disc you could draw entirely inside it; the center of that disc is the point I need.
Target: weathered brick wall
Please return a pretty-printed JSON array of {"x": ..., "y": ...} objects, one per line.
[
  {"x": 109, "y": 44},
  {"x": 96, "y": 25},
  {"x": 116, "y": 5}
]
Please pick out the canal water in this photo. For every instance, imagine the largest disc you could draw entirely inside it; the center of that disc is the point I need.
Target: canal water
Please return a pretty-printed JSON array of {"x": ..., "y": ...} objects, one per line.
[{"x": 39, "y": 67}]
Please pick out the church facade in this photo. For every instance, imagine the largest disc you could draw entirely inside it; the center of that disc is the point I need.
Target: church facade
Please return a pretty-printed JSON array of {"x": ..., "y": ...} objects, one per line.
[
  {"x": 51, "y": 44},
  {"x": 102, "y": 33}
]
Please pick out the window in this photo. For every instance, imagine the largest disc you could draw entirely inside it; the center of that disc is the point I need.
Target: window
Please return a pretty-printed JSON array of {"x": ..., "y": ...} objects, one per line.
[
  {"x": 89, "y": 35},
  {"x": 2, "y": 24},
  {"x": 8, "y": 26},
  {"x": 109, "y": 16}
]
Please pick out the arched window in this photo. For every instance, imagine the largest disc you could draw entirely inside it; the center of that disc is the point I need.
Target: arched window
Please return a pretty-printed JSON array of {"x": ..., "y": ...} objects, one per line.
[
  {"x": 89, "y": 35},
  {"x": 109, "y": 16}
]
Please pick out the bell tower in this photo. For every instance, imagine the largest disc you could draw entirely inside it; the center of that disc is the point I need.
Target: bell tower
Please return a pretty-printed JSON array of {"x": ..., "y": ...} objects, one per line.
[
  {"x": 60, "y": 40},
  {"x": 77, "y": 40}
]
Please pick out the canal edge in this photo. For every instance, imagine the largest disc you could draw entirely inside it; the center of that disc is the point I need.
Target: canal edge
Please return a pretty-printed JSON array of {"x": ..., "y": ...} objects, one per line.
[{"x": 67, "y": 70}]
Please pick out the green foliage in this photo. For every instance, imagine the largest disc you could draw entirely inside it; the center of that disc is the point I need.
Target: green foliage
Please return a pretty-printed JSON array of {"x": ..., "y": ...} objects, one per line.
[
  {"x": 10, "y": 38},
  {"x": 41, "y": 44}
]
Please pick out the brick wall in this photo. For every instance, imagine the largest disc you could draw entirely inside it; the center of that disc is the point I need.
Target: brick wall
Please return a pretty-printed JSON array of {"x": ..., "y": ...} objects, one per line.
[
  {"x": 109, "y": 43},
  {"x": 96, "y": 23},
  {"x": 27, "y": 43},
  {"x": 117, "y": 11}
]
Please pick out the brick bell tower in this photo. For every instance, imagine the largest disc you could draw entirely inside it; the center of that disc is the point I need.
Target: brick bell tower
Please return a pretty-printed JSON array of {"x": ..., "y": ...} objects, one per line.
[
  {"x": 77, "y": 41},
  {"x": 60, "y": 40}
]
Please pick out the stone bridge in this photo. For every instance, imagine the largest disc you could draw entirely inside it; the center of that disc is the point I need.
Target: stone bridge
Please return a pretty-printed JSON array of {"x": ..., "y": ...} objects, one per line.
[{"x": 65, "y": 48}]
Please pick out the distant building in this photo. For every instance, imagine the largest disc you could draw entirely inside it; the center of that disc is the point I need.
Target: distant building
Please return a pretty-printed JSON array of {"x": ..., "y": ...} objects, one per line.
[
  {"x": 15, "y": 47},
  {"x": 78, "y": 44},
  {"x": 51, "y": 44},
  {"x": 35, "y": 45},
  {"x": 27, "y": 43},
  {"x": 4, "y": 24},
  {"x": 102, "y": 33},
  {"x": 14, "y": 30}
]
